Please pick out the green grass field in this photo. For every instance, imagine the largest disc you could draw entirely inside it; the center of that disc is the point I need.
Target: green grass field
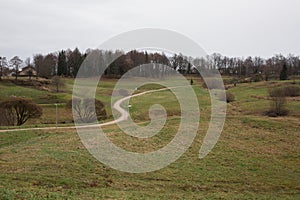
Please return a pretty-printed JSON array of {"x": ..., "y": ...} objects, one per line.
[{"x": 256, "y": 157}]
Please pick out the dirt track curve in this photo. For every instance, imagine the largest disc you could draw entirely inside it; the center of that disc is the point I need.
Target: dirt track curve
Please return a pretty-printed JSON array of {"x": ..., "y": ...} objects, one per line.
[{"x": 117, "y": 106}]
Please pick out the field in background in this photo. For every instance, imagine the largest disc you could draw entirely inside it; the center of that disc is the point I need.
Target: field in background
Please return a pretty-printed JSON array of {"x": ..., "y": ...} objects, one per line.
[{"x": 257, "y": 157}]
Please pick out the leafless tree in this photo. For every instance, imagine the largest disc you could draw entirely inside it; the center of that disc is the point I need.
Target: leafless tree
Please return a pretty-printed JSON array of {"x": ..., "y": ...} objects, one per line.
[
  {"x": 16, "y": 62},
  {"x": 278, "y": 103},
  {"x": 18, "y": 110},
  {"x": 38, "y": 63},
  {"x": 57, "y": 82},
  {"x": 84, "y": 109},
  {"x": 48, "y": 68}
]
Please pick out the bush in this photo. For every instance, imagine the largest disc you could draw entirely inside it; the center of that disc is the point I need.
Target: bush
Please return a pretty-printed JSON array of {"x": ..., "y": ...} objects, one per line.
[
  {"x": 84, "y": 112},
  {"x": 278, "y": 103},
  {"x": 292, "y": 91},
  {"x": 229, "y": 97},
  {"x": 257, "y": 78},
  {"x": 6, "y": 118},
  {"x": 276, "y": 92},
  {"x": 287, "y": 91},
  {"x": 58, "y": 82},
  {"x": 16, "y": 111}
]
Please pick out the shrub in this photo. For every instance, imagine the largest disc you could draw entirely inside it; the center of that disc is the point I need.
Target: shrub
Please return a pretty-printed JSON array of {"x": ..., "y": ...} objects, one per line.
[
  {"x": 276, "y": 92},
  {"x": 16, "y": 111},
  {"x": 287, "y": 91},
  {"x": 57, "y": 82},
  {"x": 84, "y": 112},
  {"x": 6, "y": 118},
  {"x": 229, "y": 97},
  {"x": 257, "y": 78},
  {"x": 278, "y": 103},
  {"x": 292, "y": 91}
]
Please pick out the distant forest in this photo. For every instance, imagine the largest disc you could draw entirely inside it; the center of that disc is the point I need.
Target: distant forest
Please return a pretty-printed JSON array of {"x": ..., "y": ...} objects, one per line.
[{"x": 67, "y": 63}]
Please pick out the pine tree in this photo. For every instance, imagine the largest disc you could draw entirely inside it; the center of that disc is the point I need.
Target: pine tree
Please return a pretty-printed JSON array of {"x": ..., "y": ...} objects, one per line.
[
  {"x": 283, "y": 73},
  {"x": 62, "y": 64},
  {"x": 74, "y": 61}
]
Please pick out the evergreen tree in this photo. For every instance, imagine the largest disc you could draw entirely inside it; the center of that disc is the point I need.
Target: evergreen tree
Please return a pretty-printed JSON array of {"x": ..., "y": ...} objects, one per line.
[
  {"x": 74, "y": 61},
  {"x": 62, "y": 64},
  {"x": 283, "y": 73},
  {"x": 146, "y": 57}
]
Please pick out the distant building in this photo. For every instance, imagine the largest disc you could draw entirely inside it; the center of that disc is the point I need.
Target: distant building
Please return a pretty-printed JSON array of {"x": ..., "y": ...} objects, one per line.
[{"x": 28, "y": 71}]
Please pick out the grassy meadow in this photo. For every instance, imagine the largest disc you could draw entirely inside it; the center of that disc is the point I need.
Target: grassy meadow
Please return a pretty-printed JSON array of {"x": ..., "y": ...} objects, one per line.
[{"x": 256, "y": 157}]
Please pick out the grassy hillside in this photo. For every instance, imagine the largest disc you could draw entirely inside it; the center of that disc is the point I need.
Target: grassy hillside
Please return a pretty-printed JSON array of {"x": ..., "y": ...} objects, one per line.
[
  {"x": 46, "y": 96},
  {"x": 257, "y": 157}
]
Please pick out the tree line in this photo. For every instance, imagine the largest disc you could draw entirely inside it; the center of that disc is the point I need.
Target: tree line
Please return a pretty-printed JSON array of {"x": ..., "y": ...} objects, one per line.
[
  {"x": 67, "y": 63},
  {"x": 277, "y": 66}
]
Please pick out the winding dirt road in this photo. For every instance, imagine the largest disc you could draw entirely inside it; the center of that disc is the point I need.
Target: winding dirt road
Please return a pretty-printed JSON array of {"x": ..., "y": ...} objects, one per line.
[{"x": 117, "y": 105}]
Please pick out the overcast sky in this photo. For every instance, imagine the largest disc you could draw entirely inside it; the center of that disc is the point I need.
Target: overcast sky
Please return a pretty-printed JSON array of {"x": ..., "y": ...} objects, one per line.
[{"x": 230, "y": 27}]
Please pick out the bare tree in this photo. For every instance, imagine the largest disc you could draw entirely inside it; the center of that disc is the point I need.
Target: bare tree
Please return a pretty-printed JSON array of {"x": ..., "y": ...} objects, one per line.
[
  {"x": 49, "y": 64},
  {"x": 278, "y": 103},
  {"x": 19, "y": 110},
  {"x": 57, "y": 82},
  {"x": 38, "y": 63},
  {"x": 84, "y": 110},
  {"x": 16, "y": 62}
]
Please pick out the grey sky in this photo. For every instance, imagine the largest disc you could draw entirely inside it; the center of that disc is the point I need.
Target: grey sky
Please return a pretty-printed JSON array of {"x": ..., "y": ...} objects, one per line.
[{"x": 230, "y": 27}]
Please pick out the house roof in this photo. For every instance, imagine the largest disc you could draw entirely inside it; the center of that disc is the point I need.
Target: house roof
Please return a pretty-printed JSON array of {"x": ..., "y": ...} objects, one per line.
[{"x": 28, "y": 67}]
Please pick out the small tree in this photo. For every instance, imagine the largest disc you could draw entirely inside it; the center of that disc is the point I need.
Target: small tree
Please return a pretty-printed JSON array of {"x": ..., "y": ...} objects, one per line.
[
  {"x": 38, "y": 61},
  {"x": 57, "y": 82},
  {"x": 278, "y": 103},
  {"x": 48, "y": 65},
  {"x": 19, "y": 110},
  {"x": 62, "y": 64},
  {"x": 283, "y": 73},
  {"x": 83, "y": 109},
  {"x": 16, "y": 62}
]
